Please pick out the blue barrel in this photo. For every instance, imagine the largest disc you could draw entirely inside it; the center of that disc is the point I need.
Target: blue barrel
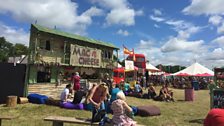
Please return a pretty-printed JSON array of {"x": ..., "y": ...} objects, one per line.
[{"x": 195, "y": 85}]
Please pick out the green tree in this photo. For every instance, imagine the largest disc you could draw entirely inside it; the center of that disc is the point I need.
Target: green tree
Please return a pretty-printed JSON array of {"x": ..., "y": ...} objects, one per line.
[
  {"x": 6, "y": 49},
  {"x": 20, "y": 49}
]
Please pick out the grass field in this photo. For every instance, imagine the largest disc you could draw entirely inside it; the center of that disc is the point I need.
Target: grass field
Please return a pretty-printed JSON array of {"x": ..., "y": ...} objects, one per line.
[{"x": 178, "y": 113}]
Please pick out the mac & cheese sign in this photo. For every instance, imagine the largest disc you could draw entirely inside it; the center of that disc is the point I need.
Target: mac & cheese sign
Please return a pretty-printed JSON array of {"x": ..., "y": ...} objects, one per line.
[{"x": 84, "y": 56}]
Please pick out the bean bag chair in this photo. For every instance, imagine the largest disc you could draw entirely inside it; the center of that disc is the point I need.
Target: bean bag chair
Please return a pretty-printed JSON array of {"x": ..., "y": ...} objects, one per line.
[
  {"x": 215, "y": 118},
  {"x": 126, "y": 93},
  {"x": 70, "y": 105},
  {"x": 37, "y": 98},
  {"x": 134, "y": 110},
  {"x": 148, "y": 111},
  {"x": 52, "y": 101}
]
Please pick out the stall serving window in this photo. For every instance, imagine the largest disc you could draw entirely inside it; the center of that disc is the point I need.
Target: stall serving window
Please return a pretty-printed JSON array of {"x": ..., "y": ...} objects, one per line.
[{"x": 106, "y": 54}]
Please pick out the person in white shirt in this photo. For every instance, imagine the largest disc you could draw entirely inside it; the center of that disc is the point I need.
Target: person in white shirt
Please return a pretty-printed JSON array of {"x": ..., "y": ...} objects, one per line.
[{"x": 65, "y": 93}]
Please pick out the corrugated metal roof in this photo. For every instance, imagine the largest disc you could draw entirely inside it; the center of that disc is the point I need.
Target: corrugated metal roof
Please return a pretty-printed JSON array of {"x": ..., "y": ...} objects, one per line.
[{"x": 73, "y": 36}]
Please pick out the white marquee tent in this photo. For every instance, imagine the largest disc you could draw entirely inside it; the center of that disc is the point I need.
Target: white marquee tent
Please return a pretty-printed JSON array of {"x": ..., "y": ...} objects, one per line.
[
  {"x": 195, "y": 69},
  {"x": 152, "y": 68}
]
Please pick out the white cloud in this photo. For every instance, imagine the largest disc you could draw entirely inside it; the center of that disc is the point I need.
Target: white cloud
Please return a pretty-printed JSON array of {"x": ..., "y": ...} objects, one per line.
[
  {"x": 155, "y": 56},
  {"x": 184, "y": 29},
  {"x": 186, "y": 52},
  {"x": 156, "y": 26},
  {"x": 216, "y": 54},
  {"x": 157, "y": 12},
  {"x": 175, "y": 44},
  {"x": 219, "y": 40},
  {"x": 157, "y": 19},
  {"x": 120, "y": 12},
  {"x": 145, "y": 44},
  {"x": 123, "y": 32},
  {"x": 215, "y": 20},
  {"x": 62, "y": 14},
  {"x": 121, "y": 16},
  {"x": 186, "y": 33},
  {"x": 220, "y": 29},
  {"x": 14, "y": 35},
  {"x": 179, "y": 24},
  {"x": 207, "y": 7},
  {"x": 139, "y": 13}
]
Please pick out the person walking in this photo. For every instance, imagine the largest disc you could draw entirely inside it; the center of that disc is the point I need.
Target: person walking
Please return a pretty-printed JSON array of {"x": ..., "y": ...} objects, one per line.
[{"x": 59, "y": 79}]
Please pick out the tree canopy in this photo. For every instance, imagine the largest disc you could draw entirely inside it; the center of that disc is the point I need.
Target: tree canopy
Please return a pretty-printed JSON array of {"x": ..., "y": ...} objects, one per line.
[{"x": 8, "y": 49}]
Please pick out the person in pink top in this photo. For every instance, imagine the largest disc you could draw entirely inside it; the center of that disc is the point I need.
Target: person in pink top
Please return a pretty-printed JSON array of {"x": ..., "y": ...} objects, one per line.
[
  {"x": 76, "y": 81},
  {"x": 120, "y": 108}
]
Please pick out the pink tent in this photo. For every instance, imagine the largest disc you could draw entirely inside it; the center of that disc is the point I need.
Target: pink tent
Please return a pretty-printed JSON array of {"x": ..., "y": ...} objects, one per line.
[
  {"x": 182, "y": 74},
  {"x": 204, "y": 75}
]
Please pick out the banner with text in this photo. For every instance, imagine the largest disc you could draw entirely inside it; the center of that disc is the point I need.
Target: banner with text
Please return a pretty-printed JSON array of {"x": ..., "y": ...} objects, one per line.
[{"x": 85, "y": 56}]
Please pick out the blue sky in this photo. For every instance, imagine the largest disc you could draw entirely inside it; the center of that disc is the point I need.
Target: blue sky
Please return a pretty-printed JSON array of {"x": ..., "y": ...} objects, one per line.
[{"x": 170, "y": 32}]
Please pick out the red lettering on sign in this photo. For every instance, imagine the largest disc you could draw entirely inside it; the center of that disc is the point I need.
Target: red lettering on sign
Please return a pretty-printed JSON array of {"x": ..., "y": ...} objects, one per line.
[{"x": 88, "y": 61}]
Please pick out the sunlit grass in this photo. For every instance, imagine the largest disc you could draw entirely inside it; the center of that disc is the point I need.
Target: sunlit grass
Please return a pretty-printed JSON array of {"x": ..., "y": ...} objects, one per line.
[{"x": 178, "y": 113}]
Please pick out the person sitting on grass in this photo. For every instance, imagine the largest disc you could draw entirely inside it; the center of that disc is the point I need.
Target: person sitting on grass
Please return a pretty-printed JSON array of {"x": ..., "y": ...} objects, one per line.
[
  {"x": 163, "y": 94},
  {"x": 125, "y": 87},
  {"x": 169, "y": 92},
  {"x": 65, "y": 94},
  {"x": 138, "y": 88},
  {"x": 120, "y": 110},
  {"x": 151, "y": 91}
]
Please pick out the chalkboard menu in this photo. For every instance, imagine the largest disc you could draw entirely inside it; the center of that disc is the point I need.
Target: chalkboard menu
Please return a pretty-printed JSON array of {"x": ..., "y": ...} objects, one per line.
[{"x": 218, "y": 98}]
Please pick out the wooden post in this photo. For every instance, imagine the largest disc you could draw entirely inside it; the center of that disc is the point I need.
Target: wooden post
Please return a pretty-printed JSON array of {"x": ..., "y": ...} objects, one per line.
[
  {"x": 57, "y": 123},
  {"x": 11, "y": 101},
  {"x": 0, "y": 122}
]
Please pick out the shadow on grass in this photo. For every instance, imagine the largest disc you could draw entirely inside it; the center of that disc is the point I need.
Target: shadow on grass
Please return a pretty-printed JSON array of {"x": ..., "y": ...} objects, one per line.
[{"x": 199, "y": 121}]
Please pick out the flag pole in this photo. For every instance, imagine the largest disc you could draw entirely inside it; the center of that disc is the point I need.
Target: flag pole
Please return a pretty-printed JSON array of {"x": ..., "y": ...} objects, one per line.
[{"x": 123, "y": 53}]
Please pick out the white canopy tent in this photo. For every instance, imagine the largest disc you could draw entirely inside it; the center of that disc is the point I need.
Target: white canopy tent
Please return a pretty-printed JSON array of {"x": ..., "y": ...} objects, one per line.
[
  {"x": 119, "y": 65},
  {"x": 195, "y": 69},
  {"x": 152, "y": 68}
]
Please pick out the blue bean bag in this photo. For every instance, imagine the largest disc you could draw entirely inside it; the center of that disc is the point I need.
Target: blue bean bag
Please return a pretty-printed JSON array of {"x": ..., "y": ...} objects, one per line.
[
  {"x": 70, "y": 105},
  {"x": 37, "y": 98},
  {"x": 134, "y": 110}
]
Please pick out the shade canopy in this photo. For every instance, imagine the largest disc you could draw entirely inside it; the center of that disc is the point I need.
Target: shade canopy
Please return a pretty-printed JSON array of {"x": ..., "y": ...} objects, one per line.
[
  {"x": 195, "y": 69},
  {"x": 151, "y": 68},
  {"x": 119, "y": 65}
]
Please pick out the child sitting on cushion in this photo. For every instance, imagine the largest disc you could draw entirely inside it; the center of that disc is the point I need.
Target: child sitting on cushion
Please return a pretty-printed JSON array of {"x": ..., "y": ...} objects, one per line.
[{"x": 120, "y": 108}]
